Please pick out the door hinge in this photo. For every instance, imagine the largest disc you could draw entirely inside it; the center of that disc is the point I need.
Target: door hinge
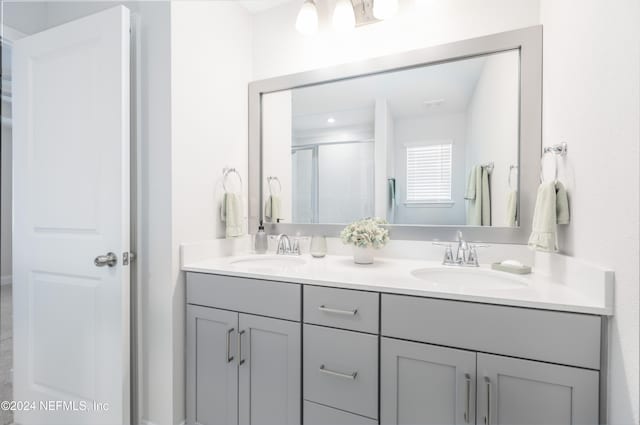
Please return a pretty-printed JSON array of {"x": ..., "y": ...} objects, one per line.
[{"x": 128, "y": 257}]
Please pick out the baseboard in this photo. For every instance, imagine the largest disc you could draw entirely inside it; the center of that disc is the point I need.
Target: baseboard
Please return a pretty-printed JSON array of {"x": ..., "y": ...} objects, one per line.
[{"x": 5, "y": 280}]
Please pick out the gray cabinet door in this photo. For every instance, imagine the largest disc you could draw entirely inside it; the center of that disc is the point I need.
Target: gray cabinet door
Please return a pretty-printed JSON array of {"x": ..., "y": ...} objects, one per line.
[
  {"x": 212, "y": 371},
  {"x": 269, "y": 356},
  {"x": 426, "y": 384},
  {"x": 523, "y": 392}
]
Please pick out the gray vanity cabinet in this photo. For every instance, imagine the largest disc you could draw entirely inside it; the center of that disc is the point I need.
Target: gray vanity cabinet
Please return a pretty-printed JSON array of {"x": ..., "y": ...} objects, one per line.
[
  {"x": 426, "y": 384},
  {"x": 514, "y": 391},
  {"x": 243, "y": 368}
]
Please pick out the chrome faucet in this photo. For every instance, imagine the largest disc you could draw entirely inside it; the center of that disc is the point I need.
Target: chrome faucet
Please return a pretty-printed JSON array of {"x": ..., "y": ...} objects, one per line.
[
  {"x": 466, "y": 254},
  {"x": 284, "y": 246}
]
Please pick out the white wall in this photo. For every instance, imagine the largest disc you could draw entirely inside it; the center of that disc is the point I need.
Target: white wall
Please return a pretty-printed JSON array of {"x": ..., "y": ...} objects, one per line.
[
  {"x": 592, "y": 101},
  {"x": 492, "y": 127},
  {"x": 279, "y": 49},
  {"x": 431, "y": 128},
  {"x": 210, "y": 72}
]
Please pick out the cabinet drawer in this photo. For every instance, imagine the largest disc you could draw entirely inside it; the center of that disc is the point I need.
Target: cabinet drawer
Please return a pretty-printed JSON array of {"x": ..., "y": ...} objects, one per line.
[
  {"x": 565, "y": 338},
  {"x": 317, "y": 414},
  {"x": 262, "y": 297},
  {"x": 341, "y": 369},
  {"x": 342, "y": 308}
]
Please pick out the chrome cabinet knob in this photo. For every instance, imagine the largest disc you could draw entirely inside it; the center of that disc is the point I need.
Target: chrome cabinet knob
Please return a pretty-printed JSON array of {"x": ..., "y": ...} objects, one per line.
[{"x": 110, "y": 260}]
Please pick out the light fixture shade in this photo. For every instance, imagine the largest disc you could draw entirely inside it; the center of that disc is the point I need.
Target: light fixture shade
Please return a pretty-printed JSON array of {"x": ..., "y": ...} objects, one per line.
[
  {"x": 384, "y": 9},
  {"x": 307, "y": 21},
  {"x": 343, "y": 17}
]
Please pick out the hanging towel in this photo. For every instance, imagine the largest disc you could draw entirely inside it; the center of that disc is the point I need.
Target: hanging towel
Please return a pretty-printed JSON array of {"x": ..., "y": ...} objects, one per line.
[
  {"x": 272, "y": 209},
  {"x": 486, "y": 198},
  {"x": 552, "y": 208},
  {"x": 478, "y": 195},
  {"x": 231, "y": 214},
  {"x": 470, "y": 194},
  {"x": 512, "y": 208}
]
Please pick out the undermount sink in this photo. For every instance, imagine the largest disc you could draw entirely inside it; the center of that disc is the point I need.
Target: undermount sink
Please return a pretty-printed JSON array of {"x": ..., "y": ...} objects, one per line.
[
  {"x": 469, "y": 278},
  {"x": 268, "y": 263}
]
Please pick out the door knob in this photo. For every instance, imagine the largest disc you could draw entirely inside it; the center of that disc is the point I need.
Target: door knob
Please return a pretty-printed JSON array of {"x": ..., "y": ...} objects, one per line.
[{"x": 106, "y": 260}]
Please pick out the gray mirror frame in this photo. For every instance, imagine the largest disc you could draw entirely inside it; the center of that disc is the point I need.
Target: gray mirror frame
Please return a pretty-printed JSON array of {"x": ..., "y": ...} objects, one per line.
[{"x": 527, "y": 40}]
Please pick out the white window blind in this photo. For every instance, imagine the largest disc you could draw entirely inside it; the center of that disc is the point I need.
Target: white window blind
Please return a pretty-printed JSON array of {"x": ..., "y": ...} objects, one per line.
[{"x": 429, "y": 173}]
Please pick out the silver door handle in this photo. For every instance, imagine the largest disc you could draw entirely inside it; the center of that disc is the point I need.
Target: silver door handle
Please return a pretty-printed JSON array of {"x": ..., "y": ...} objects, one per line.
[
  {"x": 240, "y": 346},
  {"x": 467, "y": 379},
  {"x": 110, "y": 260},
  {"x": 337, "y": 311},
  {"x": 229, "y": 356},
  {"x": 351, "y": 376},
  {"x": 487, "y": 417}
]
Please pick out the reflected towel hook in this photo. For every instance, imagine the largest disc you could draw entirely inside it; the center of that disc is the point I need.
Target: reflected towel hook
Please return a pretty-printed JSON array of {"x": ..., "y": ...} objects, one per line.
[
  {"x": 511, "y": 168},
  {"x": 488, "y": 166},
  {"x": 225, "y": 173},
  {"x": 271, "y": 179}
]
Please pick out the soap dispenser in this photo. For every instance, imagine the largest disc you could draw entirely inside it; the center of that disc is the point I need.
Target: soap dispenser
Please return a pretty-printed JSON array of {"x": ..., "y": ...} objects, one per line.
[{"x": 261, "y": 243}]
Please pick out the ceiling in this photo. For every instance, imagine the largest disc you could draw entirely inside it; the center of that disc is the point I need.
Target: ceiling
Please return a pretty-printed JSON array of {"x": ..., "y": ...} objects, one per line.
[{"x": 256, "y": 6}]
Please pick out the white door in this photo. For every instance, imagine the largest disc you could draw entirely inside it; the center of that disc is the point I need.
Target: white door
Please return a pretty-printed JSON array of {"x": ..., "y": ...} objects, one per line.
[{"x": 71, "y": 204}]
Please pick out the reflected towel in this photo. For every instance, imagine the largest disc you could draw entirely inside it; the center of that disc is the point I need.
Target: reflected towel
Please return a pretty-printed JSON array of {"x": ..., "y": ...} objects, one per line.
[
  {"x": 562, "y": 204},
  {"x": 231, "y": 215},
  {"x": 551, "y": 209},
  {"x": 512, "y": 208},
  {"x": 474, "y": 178},
  {"x": 272, "y": 209},
  {"x": 478, "y": 195}
]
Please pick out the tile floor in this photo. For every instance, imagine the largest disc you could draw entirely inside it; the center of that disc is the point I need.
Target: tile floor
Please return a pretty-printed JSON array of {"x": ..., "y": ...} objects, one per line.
[{"x": 6, "y": 351}]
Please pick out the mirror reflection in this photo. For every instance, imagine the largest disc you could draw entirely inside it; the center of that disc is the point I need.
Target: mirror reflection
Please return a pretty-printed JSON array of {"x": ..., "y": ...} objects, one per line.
[{"x": 433, "y": 145}]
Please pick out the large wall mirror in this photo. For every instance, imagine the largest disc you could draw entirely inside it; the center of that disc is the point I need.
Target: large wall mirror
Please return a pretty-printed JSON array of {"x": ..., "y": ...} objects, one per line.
[{"x": 434, "y": 141}]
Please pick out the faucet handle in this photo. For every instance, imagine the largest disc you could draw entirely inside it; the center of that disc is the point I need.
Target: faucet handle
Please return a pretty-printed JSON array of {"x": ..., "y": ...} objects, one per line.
[
  {"x": 472, "y": 257},
  {"x": 448, "y": 256},
  {"x": 295, "y": 249}
]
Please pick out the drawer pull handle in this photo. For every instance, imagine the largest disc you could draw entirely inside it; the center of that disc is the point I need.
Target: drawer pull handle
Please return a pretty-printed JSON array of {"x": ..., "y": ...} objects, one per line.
[
  {"x": 351, "y": 376},
  {"x": 240, "y": 334},
  {"x": 487, "y": 418},
  {"x": 229, "y": 356},
  {"x": 338, "y": 311},
  {"x": 467, "y": 379}
]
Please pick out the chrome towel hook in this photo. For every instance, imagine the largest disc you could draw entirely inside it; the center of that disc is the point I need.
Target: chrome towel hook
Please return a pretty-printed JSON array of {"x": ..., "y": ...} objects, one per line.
[
  {"x": 270, "y": 180},
  {"x": 559, "y": 150},
  {"x": 225, "y": 173}
]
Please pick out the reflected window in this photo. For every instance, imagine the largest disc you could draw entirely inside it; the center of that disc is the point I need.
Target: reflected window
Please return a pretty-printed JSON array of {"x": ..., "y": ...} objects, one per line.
[{"x": 429, "y": 173}]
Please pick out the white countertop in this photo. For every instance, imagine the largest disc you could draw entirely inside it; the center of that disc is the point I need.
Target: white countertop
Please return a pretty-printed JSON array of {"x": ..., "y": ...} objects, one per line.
[{"x": 390, "y": 275}]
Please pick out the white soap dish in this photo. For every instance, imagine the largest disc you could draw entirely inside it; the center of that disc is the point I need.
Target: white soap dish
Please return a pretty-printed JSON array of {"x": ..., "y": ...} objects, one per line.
[{"x": 511, "y": 267}]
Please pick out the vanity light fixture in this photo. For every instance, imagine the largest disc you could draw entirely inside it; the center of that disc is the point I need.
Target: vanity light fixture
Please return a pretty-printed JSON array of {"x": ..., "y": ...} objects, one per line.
[
  {"x": 307, "y": 20},
  {"x": 347, "y": 14},
  {"x": 331, "y": 120},
  {"x": 344, "y": 19}
]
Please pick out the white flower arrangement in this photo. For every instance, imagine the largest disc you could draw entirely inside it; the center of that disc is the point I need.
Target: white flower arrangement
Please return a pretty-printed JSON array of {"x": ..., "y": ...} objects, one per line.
[{"x": 366, "y": 233}]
